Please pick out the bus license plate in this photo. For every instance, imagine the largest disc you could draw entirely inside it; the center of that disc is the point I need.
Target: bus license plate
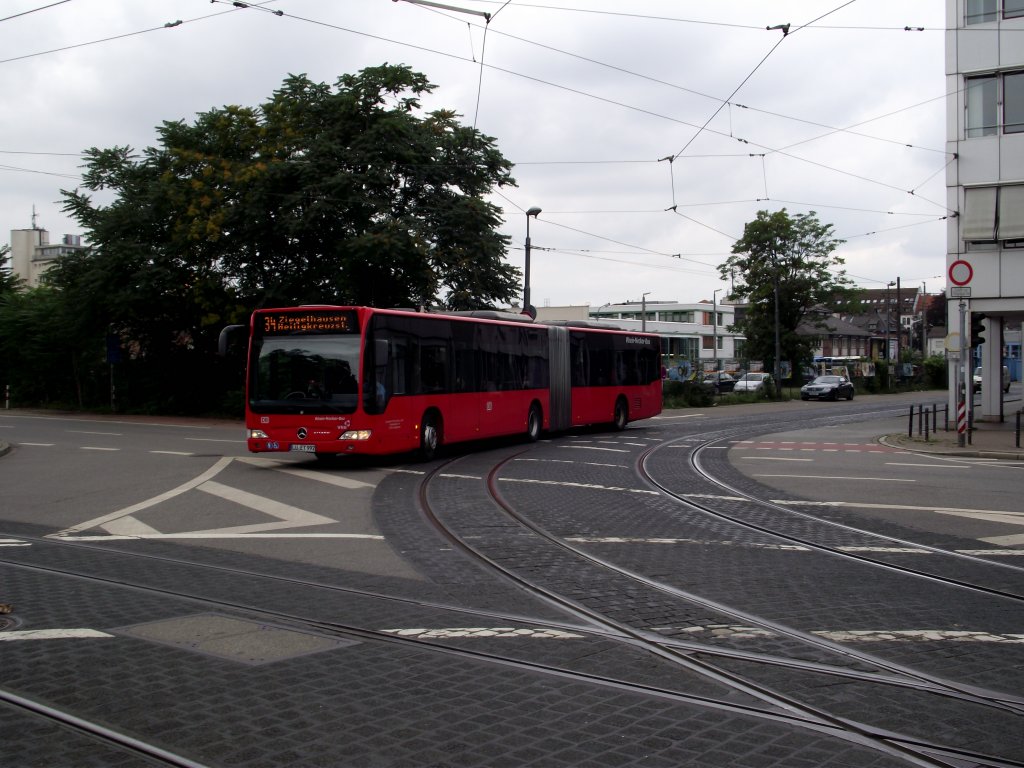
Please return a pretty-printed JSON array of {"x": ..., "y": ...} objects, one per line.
[{"x": 302, "y": 448}]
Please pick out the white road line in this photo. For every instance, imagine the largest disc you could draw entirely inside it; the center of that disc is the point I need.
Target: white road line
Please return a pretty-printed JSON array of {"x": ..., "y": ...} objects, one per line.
[
  {"x": 714, "y": 496},
  {"x": 912, "y": 507},
  {"x": 323, "y": 477},
  {"x": 840, "y": 477},
  {"x": 571, "y": 461},
  {"x": 747, "y": 544},
  {"x": 96, "y": 448},
  {"x": 39, "y": 445},
  {"x": 85, "y": 432},
  {"x": 772, "y": 458},
  {"x": 226, "y": 533},
  {"x": 193, "y": 483},
  {"x": 14, "y": 543},
  {"x": 929, "y": 635},
  {"x": 485, "y": 632},
  {"x": 214, "y": 440},
  {"x": 738, "y": 631},
  {"x": 684, "y": 416},
  {"x": 594, "y": 448},
  {"x": 992, "y": 552},
  {"x": 51, "y": 634},
  {"x": 129, "y": 527},
  {"x": 927, "y": 466},
  {"x": 589, "y": 486},
  {"x": 1005, "y": 541},
  {"x": 175, "y": 453}
]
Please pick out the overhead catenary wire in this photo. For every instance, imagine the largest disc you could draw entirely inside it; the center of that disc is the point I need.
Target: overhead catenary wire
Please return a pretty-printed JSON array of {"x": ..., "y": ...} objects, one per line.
[{"x": 760, "y": 156}]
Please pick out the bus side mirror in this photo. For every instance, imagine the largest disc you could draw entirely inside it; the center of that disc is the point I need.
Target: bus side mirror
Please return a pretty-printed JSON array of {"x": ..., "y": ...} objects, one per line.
[
  {"x": 225, "y": 338},
  {"x": 380, "y": 352}
]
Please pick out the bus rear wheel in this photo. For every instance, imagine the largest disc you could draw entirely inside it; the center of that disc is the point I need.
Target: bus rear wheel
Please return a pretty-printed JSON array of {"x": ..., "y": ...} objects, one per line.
[
  {"x": 430, "y": 435},
  {"x": 621, "y": 415},
  {"x": 534, "y": 423}
]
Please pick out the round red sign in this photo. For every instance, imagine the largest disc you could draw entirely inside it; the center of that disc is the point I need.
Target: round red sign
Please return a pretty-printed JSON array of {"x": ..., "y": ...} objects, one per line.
[{"x": 960, "y": 272}]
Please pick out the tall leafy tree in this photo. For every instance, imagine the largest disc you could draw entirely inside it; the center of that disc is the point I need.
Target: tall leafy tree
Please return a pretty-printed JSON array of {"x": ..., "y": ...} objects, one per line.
[
  {"x": 796, "y": 256},
  {"x": 340, "y": 194},
  {"x": 343, "y": 193}
]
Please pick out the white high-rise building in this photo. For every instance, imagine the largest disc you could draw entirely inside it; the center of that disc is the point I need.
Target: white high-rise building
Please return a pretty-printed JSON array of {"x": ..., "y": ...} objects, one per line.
[
  {"x": 985, "y": 181},
  {"x": 32, "y": 254}
]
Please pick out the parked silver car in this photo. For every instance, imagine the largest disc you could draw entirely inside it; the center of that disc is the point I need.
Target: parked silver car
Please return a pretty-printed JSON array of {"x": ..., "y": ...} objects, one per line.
[{"x": 753, "y": 382}]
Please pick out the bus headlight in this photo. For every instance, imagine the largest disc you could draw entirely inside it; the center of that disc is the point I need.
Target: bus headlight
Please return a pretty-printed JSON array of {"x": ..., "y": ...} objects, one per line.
[
  {"x": 257, "y": 434},
  {"x": 356, "y": 434}
]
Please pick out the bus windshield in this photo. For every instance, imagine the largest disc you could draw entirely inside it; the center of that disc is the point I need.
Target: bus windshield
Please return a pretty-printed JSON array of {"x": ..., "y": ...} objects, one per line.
[{"x": 304, "y": 373}]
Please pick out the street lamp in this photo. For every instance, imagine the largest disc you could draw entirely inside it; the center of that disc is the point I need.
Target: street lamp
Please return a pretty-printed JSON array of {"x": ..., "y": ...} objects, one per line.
[
  {"x": 888, "y": 330},
  {"x": 535, "y": 212},
  {"x": 714, "y": 320}
]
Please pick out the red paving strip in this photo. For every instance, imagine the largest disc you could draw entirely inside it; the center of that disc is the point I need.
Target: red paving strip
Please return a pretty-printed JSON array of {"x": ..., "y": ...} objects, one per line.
[{"x": 831, "y": 447}]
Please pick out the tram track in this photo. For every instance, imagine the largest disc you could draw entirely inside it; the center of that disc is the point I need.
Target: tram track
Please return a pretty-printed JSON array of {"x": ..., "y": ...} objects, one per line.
[
  {"x": 776, "y": 519},
  {"x": 776, "y": 711},
  {"x": 692, "y": 654},
  {"x": 735, "y": 679}
]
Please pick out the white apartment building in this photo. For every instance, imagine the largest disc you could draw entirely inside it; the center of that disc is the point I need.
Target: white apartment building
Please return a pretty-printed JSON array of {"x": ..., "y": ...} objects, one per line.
[
  {"x": 32, "y": 254},
  {"x": 985, "y": 181},
  {"x": 693, "y": 335}
]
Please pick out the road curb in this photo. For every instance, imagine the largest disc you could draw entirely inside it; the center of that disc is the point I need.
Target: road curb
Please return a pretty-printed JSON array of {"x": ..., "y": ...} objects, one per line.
[
  {"x": 899, "y": 441},
  {"x": 5, "y": 448}
]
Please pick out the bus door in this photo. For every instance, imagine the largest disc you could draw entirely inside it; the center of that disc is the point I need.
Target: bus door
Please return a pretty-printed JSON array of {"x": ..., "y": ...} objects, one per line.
[{"x": 561, "y": 389}]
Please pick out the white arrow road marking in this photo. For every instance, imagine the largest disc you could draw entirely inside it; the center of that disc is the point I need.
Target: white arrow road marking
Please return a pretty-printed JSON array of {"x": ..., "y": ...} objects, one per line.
[
  {"x": 104, "y": 519},
  {"x": 289, "y": 516}
]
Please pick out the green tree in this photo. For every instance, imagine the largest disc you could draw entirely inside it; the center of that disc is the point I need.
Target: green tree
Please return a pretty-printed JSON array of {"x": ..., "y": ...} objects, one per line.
[
  {"x": 321, "y": 194},
  {"x": 343, "y": 194},
  {"x": 793, "y": 255}
]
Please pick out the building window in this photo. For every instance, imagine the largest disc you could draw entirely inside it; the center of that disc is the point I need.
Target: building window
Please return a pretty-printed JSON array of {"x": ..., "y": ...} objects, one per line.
[
  {"x": 982, "y": 110},
  {"x": 983, "y": 97},
  {"x": 992, "y": 214},
  {"x": 1013, "y": 102},
  {"x": 979, "y": 11}
]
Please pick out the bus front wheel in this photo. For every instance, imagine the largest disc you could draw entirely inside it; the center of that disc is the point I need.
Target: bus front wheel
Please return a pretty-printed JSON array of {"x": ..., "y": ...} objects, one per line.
[
  {"x": 430, "y": 435},
  {"x": 621, "y": 415},
  {"x": 534, "y": 423}
]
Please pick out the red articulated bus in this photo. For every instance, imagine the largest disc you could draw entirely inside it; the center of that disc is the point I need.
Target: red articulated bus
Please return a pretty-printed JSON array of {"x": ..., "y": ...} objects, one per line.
[{"x": 358, "y": 380}]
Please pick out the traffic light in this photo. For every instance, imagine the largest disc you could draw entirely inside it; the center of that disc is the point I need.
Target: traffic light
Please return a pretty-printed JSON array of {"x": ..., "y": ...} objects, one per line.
[{"x": 977, "y": 329}]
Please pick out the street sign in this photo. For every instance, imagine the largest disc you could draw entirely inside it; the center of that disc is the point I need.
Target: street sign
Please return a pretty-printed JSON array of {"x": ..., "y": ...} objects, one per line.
[
  {"x": 960, "y": 272},
  {"x": 952, "y": 342},
  {"x": 960, "y": 292}
]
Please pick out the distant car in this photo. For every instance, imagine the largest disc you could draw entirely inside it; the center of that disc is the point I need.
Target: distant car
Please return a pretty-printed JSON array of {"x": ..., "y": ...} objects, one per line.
[
  {"x": 719, "y": 382},
  {"x": 977, "y": 379},
  {"x": 753, "y": 382},
  {"x": 827, "y": 388}
]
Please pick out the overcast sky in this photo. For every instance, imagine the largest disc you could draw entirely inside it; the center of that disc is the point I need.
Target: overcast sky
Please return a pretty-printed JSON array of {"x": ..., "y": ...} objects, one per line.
[{"x": 648, "y": 132}]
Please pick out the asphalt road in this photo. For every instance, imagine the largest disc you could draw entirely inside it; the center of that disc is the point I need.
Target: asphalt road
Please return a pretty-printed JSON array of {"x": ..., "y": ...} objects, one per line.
[{"x": 193, "y": 480}]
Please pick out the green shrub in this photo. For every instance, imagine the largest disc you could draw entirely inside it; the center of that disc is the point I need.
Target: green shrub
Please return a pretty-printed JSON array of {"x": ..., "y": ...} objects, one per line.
[{"x": 685, "y": 394}]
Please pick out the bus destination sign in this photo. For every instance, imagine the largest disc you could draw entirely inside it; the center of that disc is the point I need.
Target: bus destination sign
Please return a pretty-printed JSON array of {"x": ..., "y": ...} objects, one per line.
[{"x": 287, "y": 323}]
